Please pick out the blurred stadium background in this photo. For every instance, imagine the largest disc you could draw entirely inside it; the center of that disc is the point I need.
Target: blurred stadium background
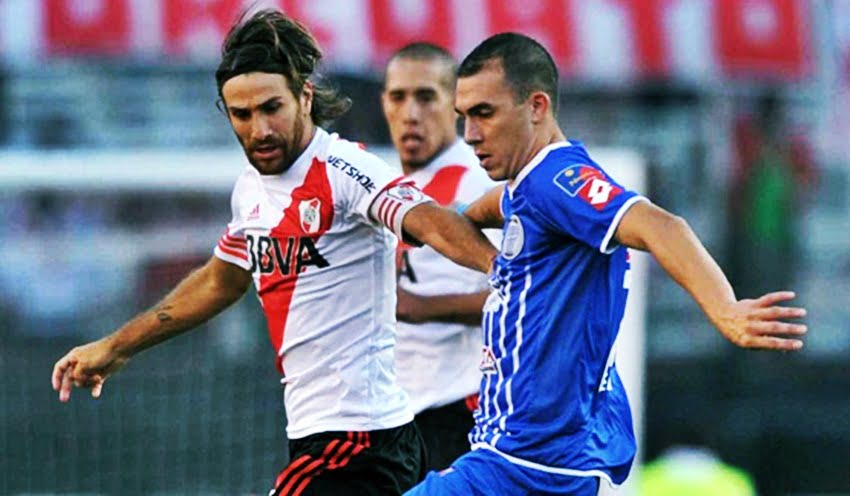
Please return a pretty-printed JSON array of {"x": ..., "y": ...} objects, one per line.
[{"x": 114, "y": 181}]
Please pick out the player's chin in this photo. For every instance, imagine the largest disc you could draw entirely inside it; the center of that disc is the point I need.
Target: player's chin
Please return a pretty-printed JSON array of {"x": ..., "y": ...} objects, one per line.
[
  {"x": 496, "y": 174},
  {"x": 269, "y": 167},
  {"x": 416, "y": 158}
]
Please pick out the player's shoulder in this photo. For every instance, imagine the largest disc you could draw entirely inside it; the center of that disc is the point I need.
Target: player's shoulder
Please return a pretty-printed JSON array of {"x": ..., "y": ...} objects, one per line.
[
  {"x": 565, "y": 160},
  {"x": 247, "y": 191},
  {"x": 560, "y": 155},
  {"x": 355, "y": 153},
  {"x": 351, "y": 161},
  {"x": 248, "y": 179},
  {"x": 457, "y": 153},
  {"x": 459, "y": 161}
]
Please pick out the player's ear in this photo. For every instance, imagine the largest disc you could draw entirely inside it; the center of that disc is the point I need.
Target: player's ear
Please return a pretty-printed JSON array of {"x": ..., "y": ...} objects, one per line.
[
  {"x": 307, "y": 98},
  {"x": 384, "y": 100},
  {"x": 540, "y": 106}
]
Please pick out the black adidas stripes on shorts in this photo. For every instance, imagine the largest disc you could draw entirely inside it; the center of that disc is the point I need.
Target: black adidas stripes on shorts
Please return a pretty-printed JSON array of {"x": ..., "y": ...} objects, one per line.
[{"x": 381, "y": 462}]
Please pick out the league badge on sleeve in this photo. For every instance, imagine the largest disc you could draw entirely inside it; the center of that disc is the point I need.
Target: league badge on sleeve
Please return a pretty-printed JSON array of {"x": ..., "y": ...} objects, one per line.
[
  {"x": 588, "y": 183},
  {"x": 406, "y": 191}
]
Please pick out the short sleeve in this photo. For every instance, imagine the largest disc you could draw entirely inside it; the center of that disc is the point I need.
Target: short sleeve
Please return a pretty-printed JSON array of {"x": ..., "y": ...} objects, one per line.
[
  {"x": 370, "y": 188},
  {"x": 359, "y": 176},
  {"x": 393, "y": 203},
  {"x": 232, "y": 247},
  {"x": 577, "y": 198}
]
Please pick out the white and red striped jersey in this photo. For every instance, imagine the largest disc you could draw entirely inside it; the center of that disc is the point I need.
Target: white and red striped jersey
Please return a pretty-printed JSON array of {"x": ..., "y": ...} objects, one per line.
[
  {"x": 325, "y": 275},
  {"x": 437, "y": 362}
]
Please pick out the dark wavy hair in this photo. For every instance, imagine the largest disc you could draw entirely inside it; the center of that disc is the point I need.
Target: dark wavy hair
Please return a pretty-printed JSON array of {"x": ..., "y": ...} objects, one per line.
[{"x": 269, "y": 41}]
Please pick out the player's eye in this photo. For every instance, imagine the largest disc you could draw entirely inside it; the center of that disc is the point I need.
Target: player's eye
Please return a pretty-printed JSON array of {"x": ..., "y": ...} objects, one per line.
[
  {"x": 426, "y": 96},
  {"x": 240, "y": 114},
  {"x": 270, "y": 108}
]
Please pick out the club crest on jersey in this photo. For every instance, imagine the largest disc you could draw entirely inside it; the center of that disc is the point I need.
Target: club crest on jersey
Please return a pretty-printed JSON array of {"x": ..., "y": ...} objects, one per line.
[
  {"x": 488, "y": 361},
  {"x": 589, "y": 183},
  {"x": 513, "y": 239},
  {"x": 310, "y": 218},
  {"x": 405, "y": 192}
]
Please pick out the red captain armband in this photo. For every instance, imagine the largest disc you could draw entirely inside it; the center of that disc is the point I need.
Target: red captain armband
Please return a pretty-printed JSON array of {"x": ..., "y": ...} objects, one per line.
[{"x": 393, "y": 203}]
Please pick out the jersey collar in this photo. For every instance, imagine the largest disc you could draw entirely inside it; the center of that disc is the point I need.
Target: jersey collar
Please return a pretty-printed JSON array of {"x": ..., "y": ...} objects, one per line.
[
  {"x": 442, "y": 157},
  {"x": 310, "y": 152},
  {"x": 534, "y": 163}
]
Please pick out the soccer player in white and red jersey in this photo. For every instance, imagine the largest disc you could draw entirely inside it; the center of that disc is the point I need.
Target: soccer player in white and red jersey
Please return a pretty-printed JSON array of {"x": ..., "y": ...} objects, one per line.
[
  {"x": 439, "y": 302},
  {"x": 315, "y": 222}
]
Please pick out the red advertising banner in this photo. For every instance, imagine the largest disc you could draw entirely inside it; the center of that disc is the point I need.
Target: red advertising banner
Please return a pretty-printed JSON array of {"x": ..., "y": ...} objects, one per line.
[
  {"x": 646, "y": 20},
  {"x": 550, "y": 22},
  {"x": 766, "y": 37},
  {"x": 186, "y": 23},
  {"x": 95, "y": 27},
  {"x": 394, "y": 26},
  {"x": 614, "y": 39}
]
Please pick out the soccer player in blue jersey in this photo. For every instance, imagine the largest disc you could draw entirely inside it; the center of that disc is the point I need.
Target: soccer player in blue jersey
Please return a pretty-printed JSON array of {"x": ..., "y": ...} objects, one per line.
[{"x": 553, "y": 415}]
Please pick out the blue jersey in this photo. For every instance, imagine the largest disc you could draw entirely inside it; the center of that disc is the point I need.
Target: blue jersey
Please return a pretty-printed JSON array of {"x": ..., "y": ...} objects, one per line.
[{"x": 550, "y": 396}]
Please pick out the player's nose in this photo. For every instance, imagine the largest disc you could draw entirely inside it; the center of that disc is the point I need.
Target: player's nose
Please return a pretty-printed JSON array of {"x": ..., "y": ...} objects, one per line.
[
  {"x": 471, "y": 132},
  {"x": 260, "y": 128},
  {"x": 411, "y": 110}
]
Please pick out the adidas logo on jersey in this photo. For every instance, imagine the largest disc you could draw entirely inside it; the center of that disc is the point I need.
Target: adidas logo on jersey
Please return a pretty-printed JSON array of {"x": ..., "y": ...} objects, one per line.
[{"x": 255, "y": 213}]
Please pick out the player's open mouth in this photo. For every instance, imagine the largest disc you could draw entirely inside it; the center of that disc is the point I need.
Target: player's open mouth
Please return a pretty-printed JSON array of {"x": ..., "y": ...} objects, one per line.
[
  {"x": 266, "y": 152},
  {"x": 483, "y": 158}
]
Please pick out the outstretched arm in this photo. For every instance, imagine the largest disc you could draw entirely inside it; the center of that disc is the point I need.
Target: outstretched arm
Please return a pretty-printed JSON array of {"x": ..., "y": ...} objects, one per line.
[
  {"x": 452, "y": 235},
  {"x": 754, "y": 323},
  {"x": 200, "y": 296}
]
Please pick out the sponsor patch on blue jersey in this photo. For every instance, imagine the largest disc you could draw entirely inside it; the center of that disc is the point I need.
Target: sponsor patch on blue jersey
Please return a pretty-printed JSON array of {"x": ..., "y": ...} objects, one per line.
[
  {"x": 589, "y": 182},
  {"x": 575, "y": 176}
]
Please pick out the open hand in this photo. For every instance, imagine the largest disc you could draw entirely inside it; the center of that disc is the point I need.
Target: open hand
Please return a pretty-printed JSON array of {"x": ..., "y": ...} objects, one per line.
[
  {"x": 85, "y": 366},
  {"x": 760, "y": 323}
]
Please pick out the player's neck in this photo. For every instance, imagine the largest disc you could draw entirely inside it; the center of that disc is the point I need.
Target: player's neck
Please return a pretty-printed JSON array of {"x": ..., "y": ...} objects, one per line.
[
  {"x": 409, "y": 168},
  {"x": 540, "y": 141},
  {"x": 309, "y": 133},
  {"x": 555, "y": 136}
]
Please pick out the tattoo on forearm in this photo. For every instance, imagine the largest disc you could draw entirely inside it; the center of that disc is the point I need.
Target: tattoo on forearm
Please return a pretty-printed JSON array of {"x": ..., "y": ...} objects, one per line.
[{"x": 163, "y": 315}]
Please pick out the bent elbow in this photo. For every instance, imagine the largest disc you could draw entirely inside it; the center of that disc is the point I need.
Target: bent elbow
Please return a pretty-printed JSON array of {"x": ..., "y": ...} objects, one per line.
[
  {"x": 676, "y": 223},
  {"x": 667, "y": 227}
]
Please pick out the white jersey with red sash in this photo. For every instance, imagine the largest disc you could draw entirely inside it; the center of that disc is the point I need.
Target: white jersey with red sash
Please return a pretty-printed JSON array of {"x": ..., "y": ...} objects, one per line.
[
  {"x": 437, "y": 362},
  {"x": 315, "y": 239}
]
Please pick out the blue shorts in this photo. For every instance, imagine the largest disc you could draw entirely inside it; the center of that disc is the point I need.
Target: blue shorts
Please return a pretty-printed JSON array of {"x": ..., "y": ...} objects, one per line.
[{"x": 485, "y": 473}]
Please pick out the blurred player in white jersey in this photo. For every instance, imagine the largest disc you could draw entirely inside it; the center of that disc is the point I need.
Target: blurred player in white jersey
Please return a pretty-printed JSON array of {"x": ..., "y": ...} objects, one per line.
[
  {"x": 315, "y": 221},
  {"x": 439, "y": 302}
]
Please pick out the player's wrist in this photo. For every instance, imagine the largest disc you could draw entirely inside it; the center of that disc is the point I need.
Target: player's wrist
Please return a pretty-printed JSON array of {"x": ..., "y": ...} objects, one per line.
[
  {"x": 491, "y": 267},
  {"x": 115, "y": 347}
]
